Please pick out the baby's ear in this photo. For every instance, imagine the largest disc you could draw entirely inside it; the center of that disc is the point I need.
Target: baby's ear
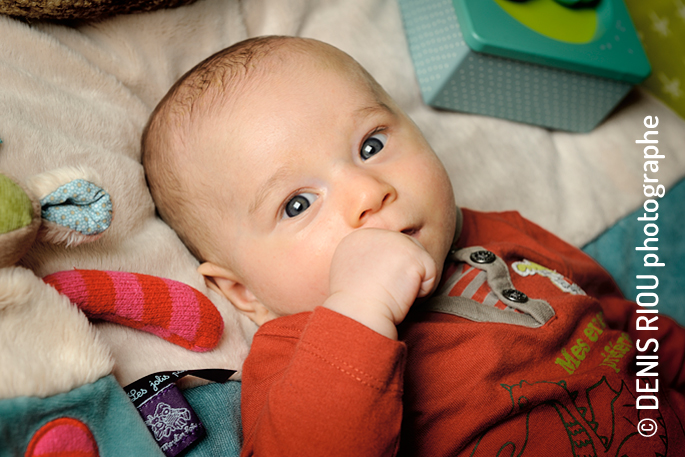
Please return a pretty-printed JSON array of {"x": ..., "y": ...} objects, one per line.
[{"x": 225, "y": 282}]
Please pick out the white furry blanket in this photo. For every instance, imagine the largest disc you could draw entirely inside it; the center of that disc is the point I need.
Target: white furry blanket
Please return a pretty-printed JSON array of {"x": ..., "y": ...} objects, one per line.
[{"x": 82, "y": 96}]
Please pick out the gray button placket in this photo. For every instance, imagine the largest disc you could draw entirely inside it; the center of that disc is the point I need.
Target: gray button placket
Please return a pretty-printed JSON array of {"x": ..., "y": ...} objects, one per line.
[{"x": 534, "y": 312}]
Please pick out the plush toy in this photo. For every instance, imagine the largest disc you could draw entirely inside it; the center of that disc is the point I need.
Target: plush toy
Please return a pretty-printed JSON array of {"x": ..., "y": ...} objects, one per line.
[
  {"x": 57, "y": 393},
  {"x": 77, "y": 9},
  {"x": 71, "y": 209}
]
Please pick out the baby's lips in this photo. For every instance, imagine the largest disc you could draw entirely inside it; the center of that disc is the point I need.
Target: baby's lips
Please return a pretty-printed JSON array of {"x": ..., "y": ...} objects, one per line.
[
  {"x": 414, "y": 233},
  {"x": 409, "y": 231}
]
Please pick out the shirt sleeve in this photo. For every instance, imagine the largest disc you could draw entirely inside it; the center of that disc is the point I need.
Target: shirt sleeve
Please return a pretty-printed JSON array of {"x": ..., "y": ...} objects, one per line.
[
  {"x": 320, "y": 383},
  {"x": 620, "y": 313}
]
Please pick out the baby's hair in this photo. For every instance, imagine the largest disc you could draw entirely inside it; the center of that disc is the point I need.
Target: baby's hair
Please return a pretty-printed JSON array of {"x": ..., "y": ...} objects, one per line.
[
  {"x": 166, "y": 136},
  {"x": 189, "y": 205}
]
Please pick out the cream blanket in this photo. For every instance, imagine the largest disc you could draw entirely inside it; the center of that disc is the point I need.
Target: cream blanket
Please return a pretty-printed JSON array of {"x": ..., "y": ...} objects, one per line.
[{"x": 82, "y": 95}]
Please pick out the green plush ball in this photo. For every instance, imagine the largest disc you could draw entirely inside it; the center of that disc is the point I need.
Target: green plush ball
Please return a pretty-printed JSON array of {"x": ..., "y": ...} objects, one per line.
[{"x": 15, "y": 206}]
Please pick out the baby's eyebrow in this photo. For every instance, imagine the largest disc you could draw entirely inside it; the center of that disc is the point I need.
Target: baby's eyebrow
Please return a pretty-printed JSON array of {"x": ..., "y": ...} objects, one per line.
[
  {"x": 376, "y": 108},
  {"x": 268, "y": 187}
]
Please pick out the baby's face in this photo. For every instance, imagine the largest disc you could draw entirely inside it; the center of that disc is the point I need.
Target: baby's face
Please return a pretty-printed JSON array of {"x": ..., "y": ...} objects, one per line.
[{"x": 307, "y": 156}]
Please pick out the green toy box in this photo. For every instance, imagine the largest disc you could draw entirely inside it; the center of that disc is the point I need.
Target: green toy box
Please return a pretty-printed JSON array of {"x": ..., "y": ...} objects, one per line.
[{"x": 561, "y": 64}]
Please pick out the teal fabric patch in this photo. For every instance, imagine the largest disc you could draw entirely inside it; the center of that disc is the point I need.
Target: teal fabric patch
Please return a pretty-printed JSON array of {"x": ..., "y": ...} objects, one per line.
[
  {"x": 79, "y": 205},
  {"x": 218, "y": 407},
  {"x": 102, "y": 406},
  {"x": 615, "y": 251}
]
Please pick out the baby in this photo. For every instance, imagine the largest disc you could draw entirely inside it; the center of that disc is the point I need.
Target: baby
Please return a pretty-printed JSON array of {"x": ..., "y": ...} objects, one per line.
[
  {"x": 266, "y": 167},
  {"x": 319, "y": 210}
]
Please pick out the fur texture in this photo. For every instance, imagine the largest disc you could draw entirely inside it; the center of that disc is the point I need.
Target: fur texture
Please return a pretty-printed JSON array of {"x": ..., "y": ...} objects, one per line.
[
  {"x": 75, "y": 9},
  {"x": 43, "y": 184},
  {"x": 46, "y": 336}
]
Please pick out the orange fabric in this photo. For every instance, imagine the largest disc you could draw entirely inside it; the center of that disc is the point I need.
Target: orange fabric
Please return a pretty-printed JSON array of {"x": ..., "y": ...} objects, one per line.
[
  {"x": 156, "y": 291},
  {"x": 309, "y": 369},
  {"x": 321, "y": 384},
  {"x": 95, "y": 282}
]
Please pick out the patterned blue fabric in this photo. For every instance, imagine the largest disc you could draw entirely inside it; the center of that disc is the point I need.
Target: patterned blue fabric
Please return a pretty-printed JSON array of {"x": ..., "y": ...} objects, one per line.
[
  {"x": 615, "y": 251},
  {"x": 79, "y": 205}
]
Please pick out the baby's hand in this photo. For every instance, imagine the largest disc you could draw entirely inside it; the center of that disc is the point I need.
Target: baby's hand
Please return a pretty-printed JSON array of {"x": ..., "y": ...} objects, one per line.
[{"x": 375, "y": 277}]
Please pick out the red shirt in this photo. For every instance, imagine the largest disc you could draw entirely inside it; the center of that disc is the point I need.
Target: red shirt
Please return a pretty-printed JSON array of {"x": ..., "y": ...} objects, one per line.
[{"x": 322, "y": 384}]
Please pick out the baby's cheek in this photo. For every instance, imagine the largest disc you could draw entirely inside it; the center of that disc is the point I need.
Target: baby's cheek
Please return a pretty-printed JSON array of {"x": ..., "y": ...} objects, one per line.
[{"x": 302, "y": 284}]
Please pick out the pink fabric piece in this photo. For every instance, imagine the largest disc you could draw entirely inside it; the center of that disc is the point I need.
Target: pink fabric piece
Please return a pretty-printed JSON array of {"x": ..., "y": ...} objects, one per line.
[
  {"x": 166, "y": 308},
  {"x": 64, "y": 436},
  {"x": 130, "y": 300},
  {"x": 75, "y": 283},
  {"x": 185, "y": 317}
]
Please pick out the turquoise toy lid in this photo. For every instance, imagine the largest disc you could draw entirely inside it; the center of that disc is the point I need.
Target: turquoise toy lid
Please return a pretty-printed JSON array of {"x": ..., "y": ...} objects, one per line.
[{"x": 595, "y": 37}]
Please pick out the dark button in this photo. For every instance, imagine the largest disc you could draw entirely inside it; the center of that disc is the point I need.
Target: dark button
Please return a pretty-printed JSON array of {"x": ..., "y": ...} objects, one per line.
[
  {"x": 483, "y": 257},
  {"x": 515, "y": 295}
]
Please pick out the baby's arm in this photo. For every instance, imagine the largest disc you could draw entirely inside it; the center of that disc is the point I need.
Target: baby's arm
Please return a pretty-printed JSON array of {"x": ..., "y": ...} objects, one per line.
[
  {"x": 330, "y": 383},
  {"x": 321, "y": 384}
]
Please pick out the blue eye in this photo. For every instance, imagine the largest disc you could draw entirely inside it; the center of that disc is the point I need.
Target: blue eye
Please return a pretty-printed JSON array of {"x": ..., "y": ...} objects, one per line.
[
  {"x": 372, "y": 145},
  {"x": 299, "y": 204}
]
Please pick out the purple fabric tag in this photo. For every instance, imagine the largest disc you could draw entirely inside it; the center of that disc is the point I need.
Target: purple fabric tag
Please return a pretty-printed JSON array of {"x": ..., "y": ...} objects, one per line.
[
  {"x": 165, "y": 410},
  {"x": 171, "y": 420}
]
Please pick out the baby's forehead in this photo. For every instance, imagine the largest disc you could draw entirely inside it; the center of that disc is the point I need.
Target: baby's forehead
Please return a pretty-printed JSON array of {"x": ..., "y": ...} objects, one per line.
[
  {"x": 221, "y": 89},
  {"x": 290, "y": 65}
]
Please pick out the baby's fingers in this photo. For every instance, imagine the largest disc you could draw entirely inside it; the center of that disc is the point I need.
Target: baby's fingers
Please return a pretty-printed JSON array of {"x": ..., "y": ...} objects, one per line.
[
  {"x": 430, "y": 271},
  {"x": 429, "y": 280}
]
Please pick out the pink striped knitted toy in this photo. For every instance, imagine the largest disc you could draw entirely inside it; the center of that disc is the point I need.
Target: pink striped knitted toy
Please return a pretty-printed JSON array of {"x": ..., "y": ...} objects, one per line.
[{"x": 169, "y": 309}]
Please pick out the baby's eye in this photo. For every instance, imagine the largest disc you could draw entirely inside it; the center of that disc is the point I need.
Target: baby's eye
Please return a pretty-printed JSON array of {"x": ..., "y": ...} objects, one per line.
[
  {"x": 372, "y": 145},
  {"x": 299, "y": 204}
]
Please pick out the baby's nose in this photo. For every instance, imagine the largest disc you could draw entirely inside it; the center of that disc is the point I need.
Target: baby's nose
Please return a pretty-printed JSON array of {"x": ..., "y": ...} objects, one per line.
[{"x": 368, "y": 196}]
